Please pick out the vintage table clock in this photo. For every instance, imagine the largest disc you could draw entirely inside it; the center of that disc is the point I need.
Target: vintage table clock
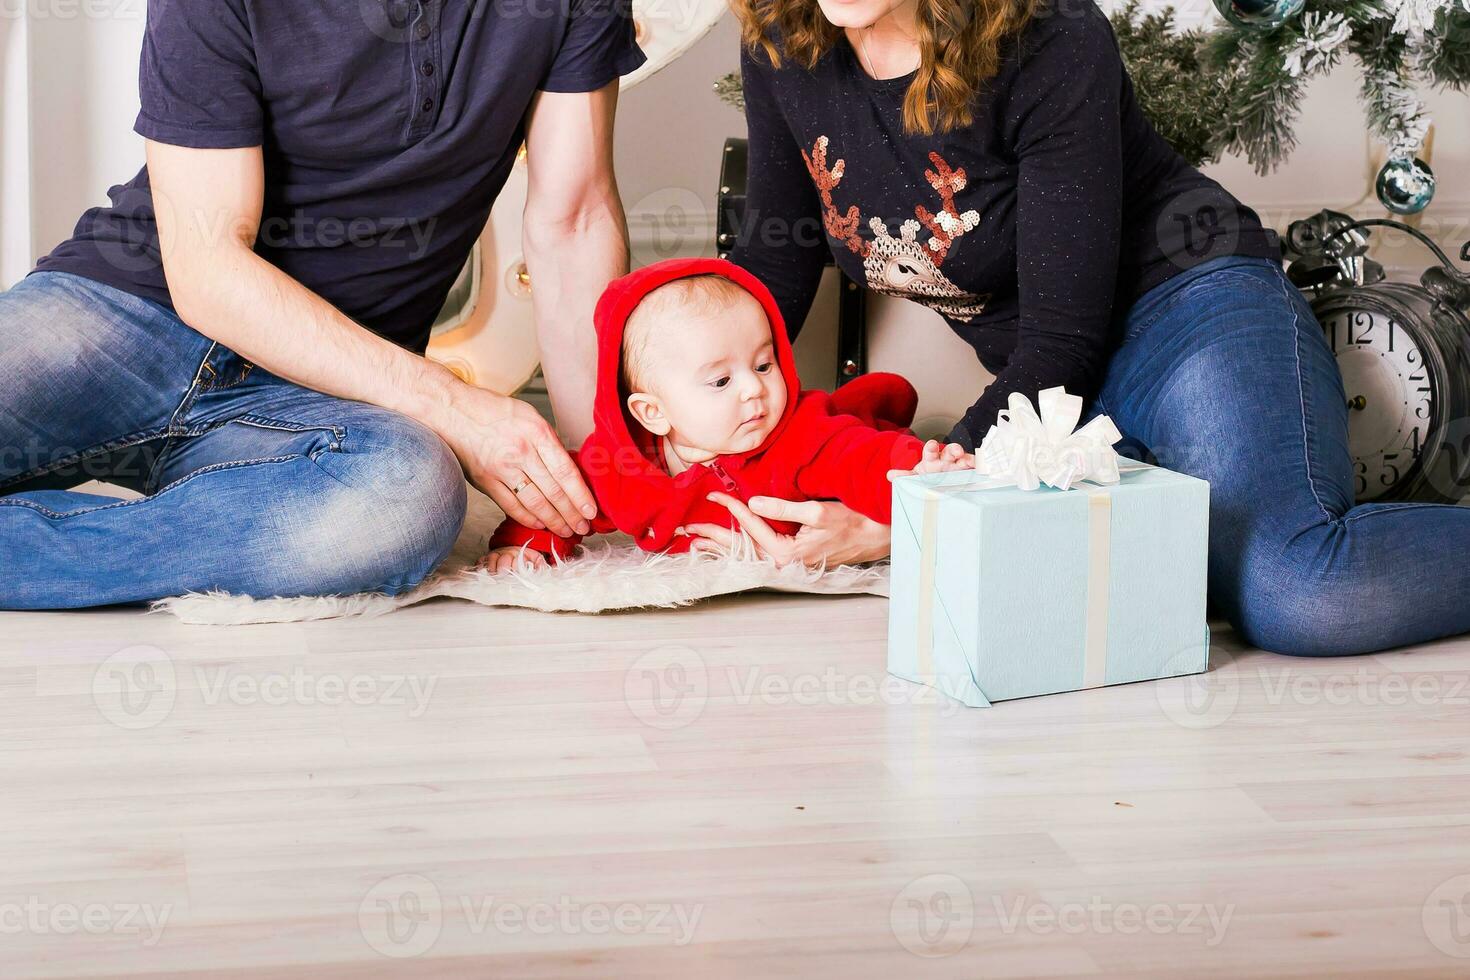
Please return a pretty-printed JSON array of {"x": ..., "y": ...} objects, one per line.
[{"x": 1404, "y": 352}]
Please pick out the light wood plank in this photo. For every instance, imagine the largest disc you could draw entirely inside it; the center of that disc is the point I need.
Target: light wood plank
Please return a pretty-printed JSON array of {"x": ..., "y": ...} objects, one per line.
[{"x": 779, "y": 805}]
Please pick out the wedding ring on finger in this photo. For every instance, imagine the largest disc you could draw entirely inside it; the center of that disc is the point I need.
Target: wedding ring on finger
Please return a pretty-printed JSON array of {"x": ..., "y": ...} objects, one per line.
[{"x": 520, "y": 486}]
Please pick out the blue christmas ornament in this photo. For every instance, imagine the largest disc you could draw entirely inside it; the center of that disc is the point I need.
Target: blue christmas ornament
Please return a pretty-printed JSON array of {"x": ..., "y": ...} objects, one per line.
[
  {"x": 1259, "y": 14},
  {"x": 1405, "y": 186}
]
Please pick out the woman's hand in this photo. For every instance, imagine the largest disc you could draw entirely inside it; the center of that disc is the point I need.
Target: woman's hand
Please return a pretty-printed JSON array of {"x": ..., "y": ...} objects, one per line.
[
  {"x": 504, "y": 445},
  {"x": 831, "y": 533}
]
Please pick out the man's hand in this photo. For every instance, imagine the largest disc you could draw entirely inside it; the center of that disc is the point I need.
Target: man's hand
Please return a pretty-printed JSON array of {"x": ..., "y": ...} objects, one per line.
[
  {"x": 507, "y": 559},
  {"x": 831, "y": 533},
  {"x": 504, "y": 445},
  {"x": 209, "y": 208}
]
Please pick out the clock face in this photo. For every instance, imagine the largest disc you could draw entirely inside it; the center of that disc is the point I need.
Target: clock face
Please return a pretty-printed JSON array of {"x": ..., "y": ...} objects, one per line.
[{"x": 1391, "y": 402}]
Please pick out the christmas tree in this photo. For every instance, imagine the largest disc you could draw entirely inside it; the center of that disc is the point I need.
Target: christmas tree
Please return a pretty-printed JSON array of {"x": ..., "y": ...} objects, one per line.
[
  {"x": 1237, "y": 88},
  {"x": 1183, "y": 96},
  {"x": 1269, "y": 49}
]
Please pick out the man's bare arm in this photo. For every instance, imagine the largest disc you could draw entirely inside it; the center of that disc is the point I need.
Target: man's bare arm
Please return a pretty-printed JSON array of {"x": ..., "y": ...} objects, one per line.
[
  {"x": 208, "y": 205},
  {"x": 575, "y": 239}
]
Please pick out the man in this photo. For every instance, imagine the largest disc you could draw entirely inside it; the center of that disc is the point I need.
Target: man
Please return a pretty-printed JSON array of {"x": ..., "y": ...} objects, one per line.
[{"x": 239, "y": 336}]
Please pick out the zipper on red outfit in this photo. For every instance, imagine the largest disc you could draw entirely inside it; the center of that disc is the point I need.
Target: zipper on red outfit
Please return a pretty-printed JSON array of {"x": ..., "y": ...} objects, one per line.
[{"x": 729, "y": 483}]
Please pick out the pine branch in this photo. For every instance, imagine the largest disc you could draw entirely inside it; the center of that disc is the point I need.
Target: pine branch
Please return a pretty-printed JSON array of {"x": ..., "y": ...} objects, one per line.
[
  {"x": 727, "y": 87},
  {"x": 1447, "y": 61},
  {"x": 1395, "y": 112},
  {"x": 1260, "y": 117},
  {"x": 1178, "y": 92},
  {"x": 1271, "y": 67}
]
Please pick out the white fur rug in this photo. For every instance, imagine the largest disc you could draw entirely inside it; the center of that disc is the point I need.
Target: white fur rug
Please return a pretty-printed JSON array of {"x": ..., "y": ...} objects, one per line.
[{"x": 610, "y": 573}]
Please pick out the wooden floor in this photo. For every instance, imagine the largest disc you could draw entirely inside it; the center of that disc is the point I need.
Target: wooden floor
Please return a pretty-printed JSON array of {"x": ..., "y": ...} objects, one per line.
[{"x": 735, "y": 790}]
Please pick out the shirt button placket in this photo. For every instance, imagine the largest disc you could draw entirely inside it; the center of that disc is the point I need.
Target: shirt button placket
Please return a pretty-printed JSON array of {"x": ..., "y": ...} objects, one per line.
[{"x": 424, "y": 69}]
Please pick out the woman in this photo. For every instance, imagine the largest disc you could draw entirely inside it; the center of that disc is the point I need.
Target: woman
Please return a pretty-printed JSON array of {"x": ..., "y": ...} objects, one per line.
[{"x": 988, "y": 159}]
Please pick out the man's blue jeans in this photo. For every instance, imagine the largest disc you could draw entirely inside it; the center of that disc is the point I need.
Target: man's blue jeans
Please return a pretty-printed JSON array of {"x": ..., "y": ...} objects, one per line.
[
  {"x": 253, "y": 485},
  {"x": 261, "y": 487},
  {"x": 1224, "y": 374}
]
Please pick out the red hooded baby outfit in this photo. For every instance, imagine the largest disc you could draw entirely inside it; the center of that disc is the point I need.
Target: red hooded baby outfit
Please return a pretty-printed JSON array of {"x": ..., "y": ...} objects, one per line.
[{"x": 838, "y": 446}]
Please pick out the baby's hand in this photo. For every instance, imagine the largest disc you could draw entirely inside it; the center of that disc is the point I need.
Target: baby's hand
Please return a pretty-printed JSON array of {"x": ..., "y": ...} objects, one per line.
[
  {"x": 505, "y": 559},
  {"x": 939, "y": 458}
]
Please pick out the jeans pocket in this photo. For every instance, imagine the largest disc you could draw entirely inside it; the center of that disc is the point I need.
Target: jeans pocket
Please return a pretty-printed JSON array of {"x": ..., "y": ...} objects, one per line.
[
  {"x": 321, "y": 437},
  {"x": 223, "y": 369}
]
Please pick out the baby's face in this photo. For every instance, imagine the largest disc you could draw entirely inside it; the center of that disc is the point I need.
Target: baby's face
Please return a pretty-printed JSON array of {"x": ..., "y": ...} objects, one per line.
[{"x": 715, "y": 380}]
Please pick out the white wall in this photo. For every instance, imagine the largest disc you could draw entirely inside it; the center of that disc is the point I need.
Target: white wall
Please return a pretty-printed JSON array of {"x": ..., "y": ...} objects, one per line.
[
  {"x": 15, "y": 179},
  {"x": 670, "y": 132},
  {"x": 83, "y": 97}
]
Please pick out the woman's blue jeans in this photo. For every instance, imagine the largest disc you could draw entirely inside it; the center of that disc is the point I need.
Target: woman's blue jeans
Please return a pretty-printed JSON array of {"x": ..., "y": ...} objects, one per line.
[
  {"x": 1224, "y": 374},
  {"x": 260, "y": 487},
  {"x": 253, "y": 485}
]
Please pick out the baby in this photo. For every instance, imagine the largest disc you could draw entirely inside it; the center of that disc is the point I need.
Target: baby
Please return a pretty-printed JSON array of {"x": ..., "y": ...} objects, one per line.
[{"x": 697, "y": 393}]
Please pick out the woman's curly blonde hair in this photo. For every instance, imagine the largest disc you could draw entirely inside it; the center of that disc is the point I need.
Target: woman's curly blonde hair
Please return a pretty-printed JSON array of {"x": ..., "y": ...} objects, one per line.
[{"x": 959, "y": 45}]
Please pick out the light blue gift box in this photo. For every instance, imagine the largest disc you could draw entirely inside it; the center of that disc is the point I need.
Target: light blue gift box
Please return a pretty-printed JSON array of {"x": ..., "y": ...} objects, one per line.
[{"x": 999, "y": 592}]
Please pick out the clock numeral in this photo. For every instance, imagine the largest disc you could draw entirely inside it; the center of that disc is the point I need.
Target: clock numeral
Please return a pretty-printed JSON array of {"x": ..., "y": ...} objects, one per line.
[
  {"x": 1361, "y": 477},
  {"x": 1386, "y": 480},
  {"x": 1413, "y": 442},
  {"x": 1364, "y": 321},
  {"x": 1421, "y": 411},
  {"x": 1391, "y": 325}
]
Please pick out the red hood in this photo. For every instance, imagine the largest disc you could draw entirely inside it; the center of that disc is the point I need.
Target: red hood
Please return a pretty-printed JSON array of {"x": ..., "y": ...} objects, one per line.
[
  {"x": 844, "y": 443},
  {"x": 614, "y": 431}
]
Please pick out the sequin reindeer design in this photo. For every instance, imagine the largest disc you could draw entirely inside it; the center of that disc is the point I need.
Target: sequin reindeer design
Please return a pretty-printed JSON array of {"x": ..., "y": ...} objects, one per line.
[{"x": 904, "y": 266}]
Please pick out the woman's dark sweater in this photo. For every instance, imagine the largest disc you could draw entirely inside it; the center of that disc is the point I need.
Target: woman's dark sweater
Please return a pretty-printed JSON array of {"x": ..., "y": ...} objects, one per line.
[{"x": 1032, "y": 231}]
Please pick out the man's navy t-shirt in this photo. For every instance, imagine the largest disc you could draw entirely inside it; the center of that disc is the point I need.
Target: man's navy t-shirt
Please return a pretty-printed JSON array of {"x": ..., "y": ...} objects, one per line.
[{"x": 387, "y": 128}]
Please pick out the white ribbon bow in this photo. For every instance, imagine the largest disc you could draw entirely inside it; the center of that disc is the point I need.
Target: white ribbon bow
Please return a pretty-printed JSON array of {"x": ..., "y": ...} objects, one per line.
[{"x": 1029, "y": 449}]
